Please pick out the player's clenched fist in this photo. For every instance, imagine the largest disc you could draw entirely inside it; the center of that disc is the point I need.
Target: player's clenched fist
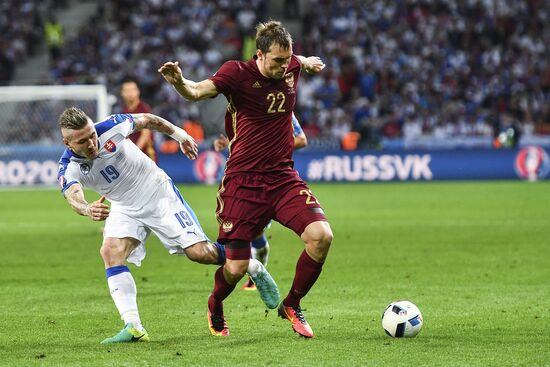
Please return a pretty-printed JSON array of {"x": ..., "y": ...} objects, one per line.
[{"x": 97, "y": 210}]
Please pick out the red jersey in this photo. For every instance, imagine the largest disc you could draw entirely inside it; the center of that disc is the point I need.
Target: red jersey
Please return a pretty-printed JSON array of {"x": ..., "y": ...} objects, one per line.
[
  {"x": 258, "y": 121},
  {"x": 149, "y": 148}
]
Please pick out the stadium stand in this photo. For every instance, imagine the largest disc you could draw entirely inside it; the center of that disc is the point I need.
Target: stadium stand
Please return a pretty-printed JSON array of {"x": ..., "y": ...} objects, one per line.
[
  {"x": 21, "y": 26},
  {"x": 400, "y": 74},
  {"x": 429, "y": 69}
]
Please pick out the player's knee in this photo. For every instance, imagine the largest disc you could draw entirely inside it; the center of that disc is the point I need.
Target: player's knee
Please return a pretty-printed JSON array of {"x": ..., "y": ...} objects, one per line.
[
  {"x": 238, "y": 254},
  {"x": 112, "y": 252},
  {"x": 318, "y": 239},
  {"x": 323, "y": 241},
  {"x": 194, "y": 253},
  {"x": 105, "y": 251},
  {"x": 235, "y": 270},
  {"x": 326, "y": 237},
  {"x": 319, "y": 235},
  {"x": 202, "y": 253}
]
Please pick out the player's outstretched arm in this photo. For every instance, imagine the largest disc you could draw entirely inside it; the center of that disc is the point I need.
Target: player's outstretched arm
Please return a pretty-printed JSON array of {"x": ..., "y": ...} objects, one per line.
[
  {"x": 312, "y": 64},
  {"x": 153, "y": 122},
  {"x": 189, "y": 89},
  {"x": 96, "y": 210}
]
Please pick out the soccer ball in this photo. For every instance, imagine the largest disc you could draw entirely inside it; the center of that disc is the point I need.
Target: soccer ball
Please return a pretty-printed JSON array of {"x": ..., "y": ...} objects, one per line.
[{"x": 402, "y": 319}]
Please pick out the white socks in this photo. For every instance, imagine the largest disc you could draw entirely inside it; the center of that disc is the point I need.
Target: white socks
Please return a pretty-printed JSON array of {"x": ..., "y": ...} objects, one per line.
[
  {"x": 254, "y": 267},
  {"x": 261, "y": 254},
  {"x": 124, "y": 293}
]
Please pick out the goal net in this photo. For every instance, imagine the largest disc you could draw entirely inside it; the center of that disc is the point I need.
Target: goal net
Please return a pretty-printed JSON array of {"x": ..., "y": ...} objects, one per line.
[{"x": 30, "y": 140}]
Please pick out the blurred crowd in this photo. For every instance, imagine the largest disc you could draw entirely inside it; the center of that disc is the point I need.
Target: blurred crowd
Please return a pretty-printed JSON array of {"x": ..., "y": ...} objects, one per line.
[
  {"x": 129, "y": 38},
  {"x": 395, "y": 69},
  {"x": 428, "y": 68},
  {"x": 21, "y": 29}
]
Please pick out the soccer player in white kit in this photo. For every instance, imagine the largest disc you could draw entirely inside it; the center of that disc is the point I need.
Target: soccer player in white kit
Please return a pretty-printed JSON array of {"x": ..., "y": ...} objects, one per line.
[{"x": 143, "y": 200}]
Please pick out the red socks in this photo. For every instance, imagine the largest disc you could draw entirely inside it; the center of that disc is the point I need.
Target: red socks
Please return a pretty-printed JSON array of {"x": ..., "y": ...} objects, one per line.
[
  {"x": 307, "y": 272},
  {"x": 221, "y": 291}
]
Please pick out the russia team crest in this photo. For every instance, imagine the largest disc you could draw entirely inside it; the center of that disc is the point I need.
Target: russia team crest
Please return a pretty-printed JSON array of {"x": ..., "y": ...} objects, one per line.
[
  {"x": 110, "y": 146},
  {"x": 289, "y": 79}
]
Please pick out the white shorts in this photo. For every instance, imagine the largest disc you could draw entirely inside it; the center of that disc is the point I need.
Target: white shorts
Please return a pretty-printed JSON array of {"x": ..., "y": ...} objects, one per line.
[{"x": 167, "y": 215}]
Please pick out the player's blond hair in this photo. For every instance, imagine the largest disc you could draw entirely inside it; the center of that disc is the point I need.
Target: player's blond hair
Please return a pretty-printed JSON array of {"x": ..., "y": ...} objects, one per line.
[
  {"x": 73, "y": 118},
  {"x": 272, "y": 32}
]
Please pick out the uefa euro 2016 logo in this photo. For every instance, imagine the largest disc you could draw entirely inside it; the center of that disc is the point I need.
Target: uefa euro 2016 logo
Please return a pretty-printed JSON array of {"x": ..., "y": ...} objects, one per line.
[
  {"x": 209, "y": 167},
  {"x": 532, "y": 163}
]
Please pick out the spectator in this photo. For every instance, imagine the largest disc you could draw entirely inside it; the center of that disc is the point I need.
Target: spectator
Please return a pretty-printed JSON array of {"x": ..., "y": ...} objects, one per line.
[
  {"x": 54, "y": 34},
  {"x": 21, "y": 26},
  {"x": 194, "y": 128},
  {"x": 414, "y": 62},
  {"x": 144, "y": 139}
]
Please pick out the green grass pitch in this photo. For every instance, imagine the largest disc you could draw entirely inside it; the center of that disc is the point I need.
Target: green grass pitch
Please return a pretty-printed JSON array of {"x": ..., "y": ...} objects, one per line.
[{"x": 474, "y": 256}]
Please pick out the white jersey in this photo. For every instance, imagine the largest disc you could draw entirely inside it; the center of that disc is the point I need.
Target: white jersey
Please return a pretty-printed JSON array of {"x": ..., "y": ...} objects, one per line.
[
  {"x": 143, "y": 198},
  {"x": 121, "y": 172}
]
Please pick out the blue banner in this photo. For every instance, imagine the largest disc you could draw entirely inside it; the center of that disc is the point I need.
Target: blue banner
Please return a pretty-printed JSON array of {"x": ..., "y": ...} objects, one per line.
[
  {"x": 23, "y": 167},
  {"x": 29, "y": 164},
  {"x": 406, "y": 166},
  {"x": 530, "y": 163}
]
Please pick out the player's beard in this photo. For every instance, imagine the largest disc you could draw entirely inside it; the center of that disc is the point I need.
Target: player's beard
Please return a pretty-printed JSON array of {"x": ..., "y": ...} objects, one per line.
[{"x": 277, "y": 75}]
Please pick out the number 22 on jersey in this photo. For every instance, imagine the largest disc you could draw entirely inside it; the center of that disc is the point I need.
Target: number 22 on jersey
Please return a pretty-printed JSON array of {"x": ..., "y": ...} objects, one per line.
[
  {"x": 310, "y": 199},
  {"x": 277, "y": 102}
]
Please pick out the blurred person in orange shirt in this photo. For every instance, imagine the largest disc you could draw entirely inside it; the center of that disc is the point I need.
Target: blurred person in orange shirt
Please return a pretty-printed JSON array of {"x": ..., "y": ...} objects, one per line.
[{"x": 194, "y": 128}]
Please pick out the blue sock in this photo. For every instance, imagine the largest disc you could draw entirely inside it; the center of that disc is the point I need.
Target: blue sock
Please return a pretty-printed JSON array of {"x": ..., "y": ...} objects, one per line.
[
  {"x": 259, "y": 243},
  {"x": 115, "y": 270},
  {"x": 221, "y": 253}
]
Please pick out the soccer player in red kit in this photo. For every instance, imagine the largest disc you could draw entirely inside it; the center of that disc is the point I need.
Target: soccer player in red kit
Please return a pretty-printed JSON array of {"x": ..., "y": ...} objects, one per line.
[
  {"x": 144, "y": 139},
  {"x": 259, "y": 182}
]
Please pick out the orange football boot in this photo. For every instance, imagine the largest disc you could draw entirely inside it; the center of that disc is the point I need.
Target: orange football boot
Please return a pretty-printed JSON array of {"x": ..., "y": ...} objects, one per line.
[
  {"x": 217, "y": 324},
  {"x": 297, "y": 319}
]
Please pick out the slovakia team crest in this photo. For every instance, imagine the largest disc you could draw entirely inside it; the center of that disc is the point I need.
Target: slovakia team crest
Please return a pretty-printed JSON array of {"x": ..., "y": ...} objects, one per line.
[
  {"x": 110, "y": 146},
  {"x": 532, "y": 163},
  {"x": 209, "y": 167}
]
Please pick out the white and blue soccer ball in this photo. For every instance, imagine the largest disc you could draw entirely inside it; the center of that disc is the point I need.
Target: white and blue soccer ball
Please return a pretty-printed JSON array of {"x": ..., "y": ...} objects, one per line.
[{"x": 402, "y": 319}]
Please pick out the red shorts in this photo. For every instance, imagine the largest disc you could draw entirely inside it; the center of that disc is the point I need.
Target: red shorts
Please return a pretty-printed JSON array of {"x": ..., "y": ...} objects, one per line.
[{"x": 247, "y": 202}]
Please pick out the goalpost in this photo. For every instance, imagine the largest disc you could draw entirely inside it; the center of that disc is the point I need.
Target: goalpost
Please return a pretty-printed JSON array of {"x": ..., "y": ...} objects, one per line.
[{"x": 30, "y": 140}]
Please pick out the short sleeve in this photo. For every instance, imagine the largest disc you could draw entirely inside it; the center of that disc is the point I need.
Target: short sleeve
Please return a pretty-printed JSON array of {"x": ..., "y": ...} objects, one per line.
[
  {"x": 296, "y": 125},
  {"x": 298, "y": 61},
  {"x": 225, "y": 79},
  {"x": 66, "y": 174},
  {"x": 123, "y": 123}
]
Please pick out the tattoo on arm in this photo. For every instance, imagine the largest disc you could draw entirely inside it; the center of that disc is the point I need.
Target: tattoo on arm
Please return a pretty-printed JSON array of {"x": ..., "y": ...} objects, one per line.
[{"x": 152, "y": 122}]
